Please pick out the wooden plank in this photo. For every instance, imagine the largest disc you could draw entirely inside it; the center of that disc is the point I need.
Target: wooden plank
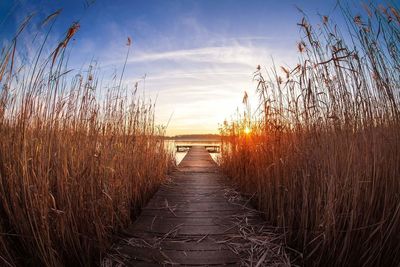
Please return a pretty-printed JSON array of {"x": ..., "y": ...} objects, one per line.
[
  {"x": 181, "y": 229},
  {"x": 199, "y": 245},
  {"x": 185, "y": 243},
  {"x": 174, "y": 210},
  {"x": 180, "y": 257},
  {"x": 188, "y": 193},
  {"x": 134, "y": 263},
  {"x": 189, "y": 198},
  {"x": 154, "y": 220},
  {"x": 192, "y": 193},
  {"x": 189, "y": 175},
  {"x": 192, "y": 186},
  {"x": 194, "y": 206},
  {"x": 155, "y": 239},
  {"x": 199, "y": 183},
  {"x": 196, "y": 214},
  {"x": 192, "y": 190}
]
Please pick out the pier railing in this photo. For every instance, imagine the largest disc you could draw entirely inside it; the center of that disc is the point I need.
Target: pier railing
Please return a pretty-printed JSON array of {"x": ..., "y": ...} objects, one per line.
[{"x": 209, "y": 148}]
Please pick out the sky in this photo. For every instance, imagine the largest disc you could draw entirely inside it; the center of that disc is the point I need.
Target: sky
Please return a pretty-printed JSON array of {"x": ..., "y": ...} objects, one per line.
[{"x": 196, "y": 58}]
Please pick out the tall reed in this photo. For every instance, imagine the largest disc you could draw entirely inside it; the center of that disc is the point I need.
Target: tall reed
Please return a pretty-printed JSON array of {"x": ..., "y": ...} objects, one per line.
[
  {"x": 323, "y": 157},
  {"x": 75, "y": 164}
]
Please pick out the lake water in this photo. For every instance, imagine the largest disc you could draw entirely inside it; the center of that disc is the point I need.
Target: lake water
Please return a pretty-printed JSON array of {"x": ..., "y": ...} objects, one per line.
[{"x": 171, "y": 145}]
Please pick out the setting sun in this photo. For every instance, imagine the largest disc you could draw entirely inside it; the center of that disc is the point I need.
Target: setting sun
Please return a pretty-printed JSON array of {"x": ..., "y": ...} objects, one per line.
[{"x": 247, "y": 130}]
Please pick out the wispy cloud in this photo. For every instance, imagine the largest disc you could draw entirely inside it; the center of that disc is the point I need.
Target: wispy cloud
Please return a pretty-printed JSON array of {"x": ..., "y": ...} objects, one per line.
[{"x": 236, "y": 54}]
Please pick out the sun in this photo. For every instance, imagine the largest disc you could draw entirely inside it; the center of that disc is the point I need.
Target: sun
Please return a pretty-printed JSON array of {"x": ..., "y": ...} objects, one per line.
[{"x": 247, "y": 130}]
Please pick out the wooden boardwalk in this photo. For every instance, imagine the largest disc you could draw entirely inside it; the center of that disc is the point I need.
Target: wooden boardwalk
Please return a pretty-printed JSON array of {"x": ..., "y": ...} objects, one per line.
[{"x": 191, "y": 220}]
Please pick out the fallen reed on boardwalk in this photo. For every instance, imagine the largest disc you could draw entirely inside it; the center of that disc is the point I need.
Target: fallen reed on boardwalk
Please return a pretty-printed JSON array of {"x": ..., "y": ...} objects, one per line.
[
  {"x": 323, "y": 155},
  {"x": 75, "y": 164}
]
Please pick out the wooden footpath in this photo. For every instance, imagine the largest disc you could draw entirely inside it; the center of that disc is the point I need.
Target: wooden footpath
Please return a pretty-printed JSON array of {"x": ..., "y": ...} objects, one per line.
[{"x": 191, "y": 220}]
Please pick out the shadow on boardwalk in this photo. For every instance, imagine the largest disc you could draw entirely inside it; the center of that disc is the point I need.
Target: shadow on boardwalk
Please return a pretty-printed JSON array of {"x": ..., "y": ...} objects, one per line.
[{"x": 196, "y": 219}]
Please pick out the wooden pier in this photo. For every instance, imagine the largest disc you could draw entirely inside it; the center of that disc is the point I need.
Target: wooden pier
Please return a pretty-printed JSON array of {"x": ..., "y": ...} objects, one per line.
[{"x": 195, "y": 219}]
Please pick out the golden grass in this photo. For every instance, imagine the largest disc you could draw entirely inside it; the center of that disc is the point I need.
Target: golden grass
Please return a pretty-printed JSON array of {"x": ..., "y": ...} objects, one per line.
[
  {"x": 323, "y": 158},
  {"x": 75, "y": 167}
]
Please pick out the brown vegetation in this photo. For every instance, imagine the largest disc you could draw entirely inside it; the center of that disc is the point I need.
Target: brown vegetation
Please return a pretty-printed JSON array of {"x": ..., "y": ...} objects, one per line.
[
  {"x": 323, "y": 155},
  {"x": 75, "y": 166}
]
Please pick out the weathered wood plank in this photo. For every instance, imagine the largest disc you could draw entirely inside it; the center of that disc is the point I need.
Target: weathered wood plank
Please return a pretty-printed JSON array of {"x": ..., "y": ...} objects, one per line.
[
  {"x": 180, "y": 257},
  {"x": 196, "y": 214},
  {"x": 189, "y": 198},
  {"x": 193, "y": 206},
  {"x": 186, "y": 220},
  {"x": 219, "y": 220},
  {"x": 156, "y": 239},
  {"x": 134, "y": 263},
  {"x": 181, "y": 229}
]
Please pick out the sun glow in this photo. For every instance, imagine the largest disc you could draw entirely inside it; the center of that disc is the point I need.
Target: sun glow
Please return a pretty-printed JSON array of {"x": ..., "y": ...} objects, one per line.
[{"x": 247, "y": 130}]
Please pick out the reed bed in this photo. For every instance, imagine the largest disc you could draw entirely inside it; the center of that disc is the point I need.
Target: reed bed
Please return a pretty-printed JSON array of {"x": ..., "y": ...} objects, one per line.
[
  {"x": 321, "y": 154},
  {"x": 77, "y": 159}
]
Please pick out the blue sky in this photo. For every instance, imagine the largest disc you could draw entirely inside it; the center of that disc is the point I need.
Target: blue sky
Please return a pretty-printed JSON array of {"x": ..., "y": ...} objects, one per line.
[{"x": 198, "y": 56}]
